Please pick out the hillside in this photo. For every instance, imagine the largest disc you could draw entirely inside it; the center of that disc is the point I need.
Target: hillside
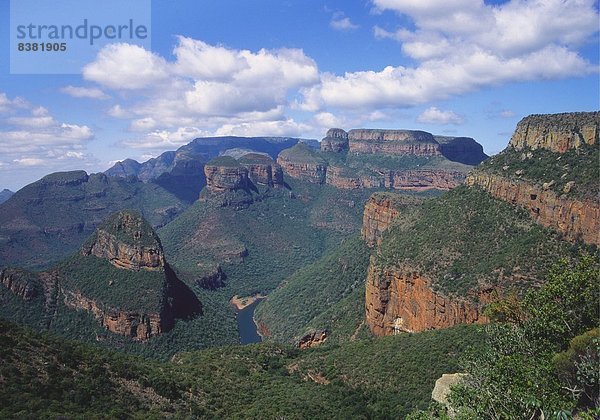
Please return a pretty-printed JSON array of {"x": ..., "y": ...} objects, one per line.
[
  {"x": 5, "y": 195},
  {"x": 495, "y": 236},
  {"x": 119, "y": 284},
  {"x": 64, "y": 379},
  {"x": 47, "y": 220}
]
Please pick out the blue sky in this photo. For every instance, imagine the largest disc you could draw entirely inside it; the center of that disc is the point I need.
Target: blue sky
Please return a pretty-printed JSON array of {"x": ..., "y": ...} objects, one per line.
[{"x": 267, "y": 67}]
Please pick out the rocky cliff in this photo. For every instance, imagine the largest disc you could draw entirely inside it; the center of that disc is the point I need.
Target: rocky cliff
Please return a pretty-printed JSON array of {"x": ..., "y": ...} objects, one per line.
[
  {"x": 262, "y": 170},
  {"x": 128, "y": 242},
  {"x": 225, "y": 174},
  {"x": 336, "y": 140},
  {"x": 380, "y": 210},
  {"x": 576, "y": 219},
  {"x": 402, "y": 300},
  {"x": 557, "y": 132},
  {"x": 136, "y": 325},
  {"x": 393, "y": 142},
  {"x": 303, "y": 163},
  {"x": 19, "y": 282}
]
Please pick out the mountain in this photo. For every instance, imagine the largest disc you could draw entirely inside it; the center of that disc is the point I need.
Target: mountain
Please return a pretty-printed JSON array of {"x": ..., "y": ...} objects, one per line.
[
  {"x": 181, "y": 172},
  {"x": 394, "y": 159},
  {"x": 119, "y": 278},
  {"x": 47, "y": 220},
  {"x": 5, "y": 195}
]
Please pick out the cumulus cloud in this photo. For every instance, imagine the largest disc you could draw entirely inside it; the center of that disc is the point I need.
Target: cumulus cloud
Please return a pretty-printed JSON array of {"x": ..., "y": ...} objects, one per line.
[
  {"x": 433, "y": 115},
  {"x": 165, "y": 139},
  {"x": 459, "y": 46},
  {"x": 83, "y": 92},
  {"x": 30, "y": 136}
]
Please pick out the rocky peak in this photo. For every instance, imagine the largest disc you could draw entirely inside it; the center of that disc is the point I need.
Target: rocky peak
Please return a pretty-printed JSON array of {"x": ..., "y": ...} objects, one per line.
[
  {"x": 65, "y": 178},
  {"x": 127, "y": 241},
  {"x": 557, "y": 132},
  {"x": 336, "y": 140},
  {"x": 224, "y": 173}
]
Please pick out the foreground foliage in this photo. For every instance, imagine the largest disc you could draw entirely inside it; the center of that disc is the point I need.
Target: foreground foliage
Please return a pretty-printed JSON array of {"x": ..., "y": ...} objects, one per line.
[
  {"x": 542, "y": 355},
  {"x": 43, "y": 376}
]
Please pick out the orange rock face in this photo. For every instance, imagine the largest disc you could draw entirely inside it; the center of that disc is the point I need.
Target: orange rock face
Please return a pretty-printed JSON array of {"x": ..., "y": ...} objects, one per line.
[
  {"x": 558, "y": 132},
  {"x": 379, "y": 213},
  {"x": 574, "y": 218},
  {"x": 138, "y": 326},
  {"x": 305, "y": 171},
  {"x": 15, "y": 281},
  {"x": 313, "y": 339},
  {"x": 129, "y": 257},
  {"x": 402, "y": 301}
]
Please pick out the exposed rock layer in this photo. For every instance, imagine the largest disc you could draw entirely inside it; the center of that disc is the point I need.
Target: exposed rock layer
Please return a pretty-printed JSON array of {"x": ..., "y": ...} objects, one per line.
[
  {"x": 379, "y": 213},
  {"x": 557, "y": 132},
  {"x": 313, "y": 339},
  {"x": 399, "y": 300},
  {"x": 394, "y": 142},
  {"x": 16, "y": 281},
  {"x": 226, "y": 178},
  {"x": 136, "y": 325},
  {"x": 574, "y": 218}
]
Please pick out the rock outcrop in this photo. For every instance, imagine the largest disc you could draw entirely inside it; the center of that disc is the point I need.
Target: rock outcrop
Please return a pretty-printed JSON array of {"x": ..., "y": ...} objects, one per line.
[
  {"x": 128, "y": 242},
  {"x": 313, "y": 339},
  {"x": 576, "y": 219},
  {"x": 302, "y": 163},
  {"x": 442, "y": 386},
  {"x": 19, "y": 282},
  {"x": 379, "y": 212},
  {"x": 262, "y": 170},
  {"x": 136, "y": 325},
  {"x": 336, "y": 140},
  {"x": 393, "y": 142},
  {"x": 225, "y": 174},
  {"x": 557, "y": 132},
  {"x": 401, "y": 300}
]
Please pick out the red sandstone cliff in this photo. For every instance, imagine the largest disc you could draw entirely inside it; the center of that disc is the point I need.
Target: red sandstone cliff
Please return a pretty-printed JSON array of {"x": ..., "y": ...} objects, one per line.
[{"x": 400, "y": 300}]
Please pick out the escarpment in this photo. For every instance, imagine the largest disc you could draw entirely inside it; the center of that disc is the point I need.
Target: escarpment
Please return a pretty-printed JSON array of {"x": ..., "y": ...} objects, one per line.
[
  {"x": 393, "y": 142},
  {"x": 576, "y": 219},
  {"x": 380, "y": 211},
  {"x": 392, "y": 159},
  {"x": 402, "y": 300},
  {"x": 225, "y": 174},
  {"x": 557, "y": 132}
]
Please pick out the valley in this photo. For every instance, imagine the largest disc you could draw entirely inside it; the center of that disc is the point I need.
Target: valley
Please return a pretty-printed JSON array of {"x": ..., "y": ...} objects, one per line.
[{"x": 368, "y": 264}]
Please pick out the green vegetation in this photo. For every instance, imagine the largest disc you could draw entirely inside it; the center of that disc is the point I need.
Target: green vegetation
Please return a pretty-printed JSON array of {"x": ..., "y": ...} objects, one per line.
[
  {"x": 302, "y": 152},
  {"x": 317, "y": 291},
  {"x": 227, "y": 161},
  {"x": 542, "y": 360},
  {"x": 47, "y": 377},
  {"x": 48, "y": 220},
  {"x": 99, "y": 280},
  {"x": 467, "y": 238},
  {"x": 129, "y": 227},
  {"x": 255, "y": 158},
  {"x": 577, "y": 166}
]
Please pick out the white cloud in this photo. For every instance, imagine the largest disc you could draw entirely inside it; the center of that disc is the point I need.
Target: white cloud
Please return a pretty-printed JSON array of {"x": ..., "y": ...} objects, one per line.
[
  {"x": 127, "y": 67},
  {"x": 117, "y": 111},
  {"x": 32, "y": 137},
  {"x": 288, "y": 127},
  {"x": 83, "y": 92},
  {"x": 433, "y": 115},
  {"x": 463, "y": 45},
  {"x": 165, "y": 139},
  {"x": 341, "y": 22}
]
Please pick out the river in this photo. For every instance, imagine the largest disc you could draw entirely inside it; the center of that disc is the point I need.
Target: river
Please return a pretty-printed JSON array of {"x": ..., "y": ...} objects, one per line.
[{"x": 246, "y": 325}]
